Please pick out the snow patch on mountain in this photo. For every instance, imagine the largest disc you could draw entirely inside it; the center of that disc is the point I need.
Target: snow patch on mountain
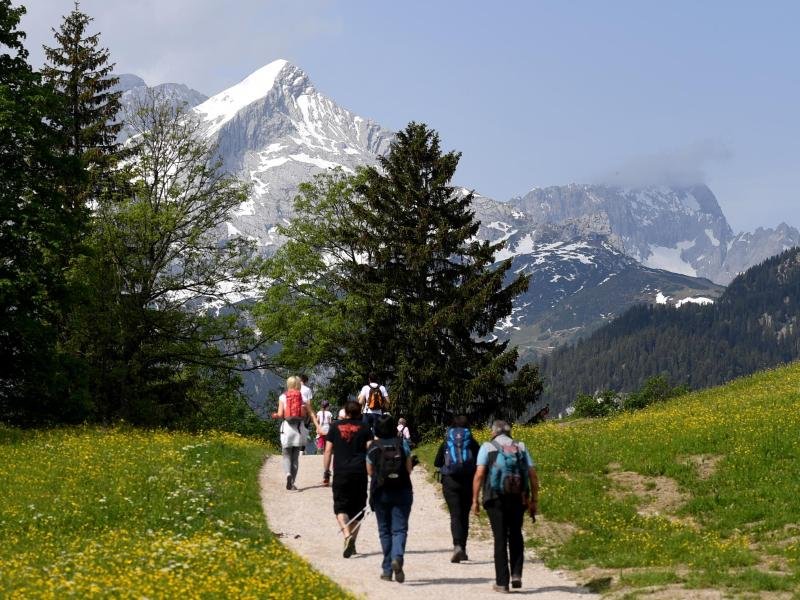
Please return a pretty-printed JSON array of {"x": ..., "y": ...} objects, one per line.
[
  {"x": 221, "y": 108},
  {"x": 671, "y": 259}
]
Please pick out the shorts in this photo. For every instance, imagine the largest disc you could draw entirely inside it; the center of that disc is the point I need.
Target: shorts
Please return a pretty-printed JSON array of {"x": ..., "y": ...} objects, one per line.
[{"x": 349, "y": 493}]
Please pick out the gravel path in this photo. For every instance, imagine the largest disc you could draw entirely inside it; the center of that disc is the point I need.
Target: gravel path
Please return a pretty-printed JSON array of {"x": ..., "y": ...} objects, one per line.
[{"x": 305, "y": 522}]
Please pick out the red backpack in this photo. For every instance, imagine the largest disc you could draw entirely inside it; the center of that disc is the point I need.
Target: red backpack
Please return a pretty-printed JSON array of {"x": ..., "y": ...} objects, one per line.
[{"x": 293, "y": 407}]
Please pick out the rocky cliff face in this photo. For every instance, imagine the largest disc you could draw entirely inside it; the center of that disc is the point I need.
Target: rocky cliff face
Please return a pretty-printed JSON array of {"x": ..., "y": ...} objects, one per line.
[
  {"x": 679, "y": 229},
  {"x": 277, "y": 130}
]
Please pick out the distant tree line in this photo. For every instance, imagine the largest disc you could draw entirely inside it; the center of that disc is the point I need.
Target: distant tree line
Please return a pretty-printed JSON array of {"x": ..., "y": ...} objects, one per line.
[
  {"x": 119, "y": 301},
  {"x": 754, "y": 325}
]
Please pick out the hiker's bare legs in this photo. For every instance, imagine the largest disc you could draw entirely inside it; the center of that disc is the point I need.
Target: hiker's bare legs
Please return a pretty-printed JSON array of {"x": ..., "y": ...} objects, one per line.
[{"x": 342, "y": 518}]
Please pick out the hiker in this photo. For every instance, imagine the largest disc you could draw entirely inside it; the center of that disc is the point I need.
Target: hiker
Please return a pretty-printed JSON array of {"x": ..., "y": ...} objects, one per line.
[
  {"x": 311, "y": 415},
  {"x": 389, "y": 466},
  {"x": 456, "y": 461},
  {"x": 346, "y": 443},
  {"x": 374, "y": 399},
  {"x": 402, "y": 430},
  {"x": 324, "y": 418},
  {"x": 293, "y": 430},
  {"x": 507, "y": 475}
]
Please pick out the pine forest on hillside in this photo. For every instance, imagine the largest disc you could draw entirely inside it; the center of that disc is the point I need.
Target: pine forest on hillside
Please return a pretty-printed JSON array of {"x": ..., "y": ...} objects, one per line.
[{"x": 754, "y": 325}]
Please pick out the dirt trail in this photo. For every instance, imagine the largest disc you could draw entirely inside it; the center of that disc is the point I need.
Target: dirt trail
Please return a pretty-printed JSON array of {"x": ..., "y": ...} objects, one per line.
[{"x": 305, "y": 522}]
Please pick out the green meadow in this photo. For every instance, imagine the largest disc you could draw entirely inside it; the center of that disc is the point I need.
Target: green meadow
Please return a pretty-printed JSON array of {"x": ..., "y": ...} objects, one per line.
[
  {"x": 702, "y": 492},
  {"x": 92, "y": 513}
]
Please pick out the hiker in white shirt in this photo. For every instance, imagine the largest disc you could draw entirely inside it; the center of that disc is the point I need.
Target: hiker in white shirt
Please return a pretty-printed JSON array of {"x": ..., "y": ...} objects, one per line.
[
  {"x": 324, "y": 418},
  {"x": 373, "y": 405},
  {"x": 307, "y": 395}
]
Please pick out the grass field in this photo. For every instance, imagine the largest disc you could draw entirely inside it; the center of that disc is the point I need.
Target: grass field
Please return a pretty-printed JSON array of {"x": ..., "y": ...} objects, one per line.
[
  {"x": 118, "y": 513},
  {"x": 700, "y": 493}
]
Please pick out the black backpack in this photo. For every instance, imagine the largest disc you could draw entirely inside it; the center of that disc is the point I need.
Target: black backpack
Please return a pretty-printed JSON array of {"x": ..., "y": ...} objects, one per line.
[{"x": 390, "y": 464}]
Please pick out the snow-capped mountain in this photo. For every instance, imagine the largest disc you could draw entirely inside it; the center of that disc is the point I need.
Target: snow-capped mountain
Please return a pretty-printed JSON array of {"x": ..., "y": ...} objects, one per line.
[
  {"x": 680, "y": 229},
  {"x": 592, "y": 251},
  {"x": 277, "y": 130}
]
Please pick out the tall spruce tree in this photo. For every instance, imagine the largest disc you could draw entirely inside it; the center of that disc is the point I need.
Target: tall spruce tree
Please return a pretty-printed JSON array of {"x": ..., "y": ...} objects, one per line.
[
  {"x": 382, "y": 272},
  {"x": 79, "y": 69},
  {"x": 35, "y": 229},
  {"x": 435, "y": 293}
]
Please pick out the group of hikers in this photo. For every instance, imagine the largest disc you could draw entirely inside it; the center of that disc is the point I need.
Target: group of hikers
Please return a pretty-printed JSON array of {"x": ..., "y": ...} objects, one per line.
[{"x": 368, "y": 462}]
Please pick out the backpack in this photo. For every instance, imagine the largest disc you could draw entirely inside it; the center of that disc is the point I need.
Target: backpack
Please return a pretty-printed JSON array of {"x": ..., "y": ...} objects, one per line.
[
  {"x": 293, "y": 407},
  {"x": 508, "y": 474},
  {"x": 390, "y": 464},
  {"x": 458, "y": 456},
  {"x": 375, "y": 399}
]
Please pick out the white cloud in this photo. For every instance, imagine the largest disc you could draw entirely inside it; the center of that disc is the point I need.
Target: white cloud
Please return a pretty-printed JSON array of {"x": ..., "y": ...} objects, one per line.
[
  {"x": 678, "y": 167},
  {"x": 207, "y": 44}
]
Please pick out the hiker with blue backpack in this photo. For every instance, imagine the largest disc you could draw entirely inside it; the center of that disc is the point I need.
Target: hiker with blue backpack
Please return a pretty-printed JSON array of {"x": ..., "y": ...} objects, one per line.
[
  {"x": 456, "y": 461},
  {"x": 506, "y": 474}
]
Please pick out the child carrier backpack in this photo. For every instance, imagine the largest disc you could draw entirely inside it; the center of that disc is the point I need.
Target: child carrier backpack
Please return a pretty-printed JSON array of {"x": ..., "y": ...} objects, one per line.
[
  {"x": 375, "y": 399},
  {"x": 508, "y": 474},
  {"x": 458, "y": 456},
  {"x": 390, "y": 462},
  {"x": 293, "y": 407}
]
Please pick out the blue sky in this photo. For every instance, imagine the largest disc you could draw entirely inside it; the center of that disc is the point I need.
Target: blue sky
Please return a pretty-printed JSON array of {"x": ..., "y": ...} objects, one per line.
[{"x": 532, "y": 93}]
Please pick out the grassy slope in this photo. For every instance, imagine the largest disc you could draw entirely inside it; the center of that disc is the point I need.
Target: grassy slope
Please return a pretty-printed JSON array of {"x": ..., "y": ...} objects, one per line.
[
  {"x": 131, "y": 514},
  {"x": 737, "y": 529}
]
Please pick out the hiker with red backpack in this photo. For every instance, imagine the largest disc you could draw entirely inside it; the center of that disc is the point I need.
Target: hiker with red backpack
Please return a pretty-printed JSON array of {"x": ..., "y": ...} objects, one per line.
[
  {"x": 374, "y": 400},
  {"x": 293, "y": 432},
  {"x": 456, "y": 461},
  {"x": 389, "y": 466},
  {"x": 506, "y": 474}
]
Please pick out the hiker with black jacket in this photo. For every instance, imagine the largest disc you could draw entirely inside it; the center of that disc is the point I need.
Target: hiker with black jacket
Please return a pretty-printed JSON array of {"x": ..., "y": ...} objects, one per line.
[
  {"x": 506, "y": 474},
  {"x": 456, "y": 463},
  {"x": 346, "y": 445},
  {"x": 389, "y": 465}
]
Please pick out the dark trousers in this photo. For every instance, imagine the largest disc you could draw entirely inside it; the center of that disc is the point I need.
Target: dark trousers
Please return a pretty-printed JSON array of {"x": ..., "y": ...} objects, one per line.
[
  {"x": 370, "y": 419},
  {"x": 505, "y": 516},
  {"x": 458, "y": 496}
]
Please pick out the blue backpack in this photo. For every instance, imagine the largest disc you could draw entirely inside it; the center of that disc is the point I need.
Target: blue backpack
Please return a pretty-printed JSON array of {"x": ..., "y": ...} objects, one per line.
[
  {"x": 508, "y": 474},
  {"x": 458, "y": 456}
]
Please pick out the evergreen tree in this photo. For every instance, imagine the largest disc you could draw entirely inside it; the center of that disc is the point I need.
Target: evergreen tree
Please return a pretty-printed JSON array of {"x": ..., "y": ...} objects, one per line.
[
  {"x": 35, "y": 229},
  {"x": 79, "y": 69},
  {"x": 435, "y": 294}
]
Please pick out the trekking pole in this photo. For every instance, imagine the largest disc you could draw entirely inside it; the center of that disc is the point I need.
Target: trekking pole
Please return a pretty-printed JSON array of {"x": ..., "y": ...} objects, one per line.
[
  {"x": 360, "y": 514},
  {"x": 358, "y": 525}
]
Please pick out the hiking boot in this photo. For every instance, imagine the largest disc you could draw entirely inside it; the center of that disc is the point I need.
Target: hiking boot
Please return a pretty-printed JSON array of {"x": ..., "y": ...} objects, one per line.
[
  {"x": 349, "y": 546},
  {"x": 458, "y": 555},
  {"x": 386, "y": 576},
  {"x": 503, "y": 589},
  {"x": 288, "y": 482},
  {"x": 516, "y": 582},
  {"x": 397, "y": 569}
]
